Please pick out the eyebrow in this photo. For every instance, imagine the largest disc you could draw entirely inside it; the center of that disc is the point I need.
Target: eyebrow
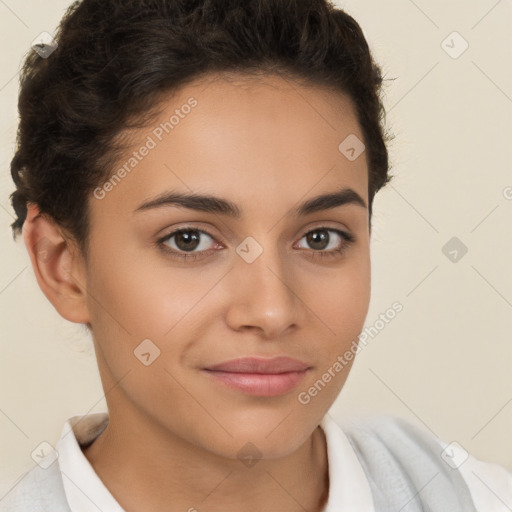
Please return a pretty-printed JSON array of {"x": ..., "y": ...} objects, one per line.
[{"x": 218, "y": 205}]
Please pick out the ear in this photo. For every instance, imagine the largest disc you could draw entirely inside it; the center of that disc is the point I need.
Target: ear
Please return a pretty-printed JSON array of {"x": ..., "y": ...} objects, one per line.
[{"x": 58, "y": 266}]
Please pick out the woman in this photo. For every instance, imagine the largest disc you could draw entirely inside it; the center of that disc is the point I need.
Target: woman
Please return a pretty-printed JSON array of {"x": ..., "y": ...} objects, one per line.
[{"x": 194, "y": 183}]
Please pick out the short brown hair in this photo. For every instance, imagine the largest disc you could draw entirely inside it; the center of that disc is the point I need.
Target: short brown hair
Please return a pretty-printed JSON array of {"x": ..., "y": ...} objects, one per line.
[{"x": 115, "y": 58}]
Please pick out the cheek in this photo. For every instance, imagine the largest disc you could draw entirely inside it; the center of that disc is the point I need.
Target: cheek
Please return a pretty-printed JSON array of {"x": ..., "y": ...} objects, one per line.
[
  {"x": 133, "y": 300},
  {"x": 138, "y": 294},
  {"x": 342, "y": 307},
  {"x": 345, "y": 298}
]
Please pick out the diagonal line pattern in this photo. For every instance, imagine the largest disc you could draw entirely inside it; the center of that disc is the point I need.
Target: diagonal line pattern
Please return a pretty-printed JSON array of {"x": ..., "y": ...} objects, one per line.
[
  {"x": 103, "y": 396},
  {"x": 1, "y": 205},
  {"x": 416, "y": 494},
  {"x": 492, "y": 211},
  {"x": 492, "y": 418},
  {"x": 403, "y": 402},
  {"x": 3, "y": 87},
  {"x": 485, "y": 15},
  {"x": 199, "y": 403},
  {"x": 2, "y": 2},
  {"x": 492, "y": 81},
  {"x": 494, "y": 288},
  {"x": 424, "y": 14},
  {"x": 216, "y": 487},
  {"x": 14, "y": 485},
  {"x": 291, "y": 496},
  {"x": 14, "y": 424},
  {"x": 506, "y": 505},
  {"x": 413, "y": 87},
  {"x": 279, "y": 424},
  {"x": 81, "y": 490},
  {"x": 12, "y": 280},
  {"x": 422, "y": 280},
  {"x": 414, "y": 208}
]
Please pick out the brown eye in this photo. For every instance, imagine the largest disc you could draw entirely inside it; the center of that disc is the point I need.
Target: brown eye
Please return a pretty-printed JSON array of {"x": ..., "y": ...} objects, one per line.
[
  {"x": 192, "y": 243},
  {"x": 183, "y": 241},
  {"x": 318, "y": 239},
  {"x": 187, "y": 240},
  {"x": 322, "y": 241}
]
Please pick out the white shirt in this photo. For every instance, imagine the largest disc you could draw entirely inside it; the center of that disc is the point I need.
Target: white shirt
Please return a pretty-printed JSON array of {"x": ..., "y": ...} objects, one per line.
[{"x": 490, "y": 484}]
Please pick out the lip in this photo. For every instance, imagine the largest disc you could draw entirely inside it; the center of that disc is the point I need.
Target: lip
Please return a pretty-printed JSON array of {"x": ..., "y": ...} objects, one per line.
[
  {"x": 262, "y": 365},
  {"x": 260, "y": 376}
]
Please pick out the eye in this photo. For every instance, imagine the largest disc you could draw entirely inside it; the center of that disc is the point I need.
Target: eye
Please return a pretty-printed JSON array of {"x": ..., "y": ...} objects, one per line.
[
  {"x": 186, "y": 240},
  {"x": 325, "y": 244},
  {"x": 191, "y": 243}
]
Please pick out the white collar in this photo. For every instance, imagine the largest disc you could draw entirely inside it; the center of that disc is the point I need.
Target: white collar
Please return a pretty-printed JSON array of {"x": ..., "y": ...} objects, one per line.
[
  {"x": 348, "y": 487},
  {"x": 84, "y": 490}
]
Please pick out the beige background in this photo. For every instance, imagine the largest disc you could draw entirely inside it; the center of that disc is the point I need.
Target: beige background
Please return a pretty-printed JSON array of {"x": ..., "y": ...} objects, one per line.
[{"x": 445, "y": 361}]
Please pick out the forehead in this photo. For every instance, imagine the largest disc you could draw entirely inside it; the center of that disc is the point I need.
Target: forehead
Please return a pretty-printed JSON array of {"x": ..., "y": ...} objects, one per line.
[{"x": 253, "y": 139}]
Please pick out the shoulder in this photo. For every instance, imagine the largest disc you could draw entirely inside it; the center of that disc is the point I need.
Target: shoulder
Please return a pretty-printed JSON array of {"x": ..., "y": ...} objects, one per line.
[
  {"x": 393, "y": 445},
  {"x": 490, "y": 483},
  {"x": 38, "y": 490}
]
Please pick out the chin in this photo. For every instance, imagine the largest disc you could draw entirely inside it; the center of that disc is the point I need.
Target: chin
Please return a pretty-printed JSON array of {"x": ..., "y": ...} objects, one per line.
[{"x": 267, "y": 437}]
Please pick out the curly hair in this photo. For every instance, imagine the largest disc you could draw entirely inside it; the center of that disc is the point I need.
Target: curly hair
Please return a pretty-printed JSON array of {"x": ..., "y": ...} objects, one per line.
[{"x": 116, "y": 59}]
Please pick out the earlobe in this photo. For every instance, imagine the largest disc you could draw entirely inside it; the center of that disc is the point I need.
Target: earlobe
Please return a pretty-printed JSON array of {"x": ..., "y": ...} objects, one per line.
[{"x": 58, "y": 270}]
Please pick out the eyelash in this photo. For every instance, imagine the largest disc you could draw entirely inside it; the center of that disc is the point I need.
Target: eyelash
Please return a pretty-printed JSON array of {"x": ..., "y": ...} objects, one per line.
[{"x": 348, "y": 239}]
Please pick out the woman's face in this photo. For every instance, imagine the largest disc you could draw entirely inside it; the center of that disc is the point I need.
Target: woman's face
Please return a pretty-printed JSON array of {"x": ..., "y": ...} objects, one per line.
[{"x": 264, "y": 283}]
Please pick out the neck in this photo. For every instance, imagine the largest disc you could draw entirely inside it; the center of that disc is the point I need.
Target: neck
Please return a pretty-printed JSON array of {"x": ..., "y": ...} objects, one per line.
[{"x": 161, "y": 471}]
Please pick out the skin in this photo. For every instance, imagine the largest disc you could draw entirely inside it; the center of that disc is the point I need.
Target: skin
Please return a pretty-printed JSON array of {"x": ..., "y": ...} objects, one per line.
[{"x": 266, "y": 145}]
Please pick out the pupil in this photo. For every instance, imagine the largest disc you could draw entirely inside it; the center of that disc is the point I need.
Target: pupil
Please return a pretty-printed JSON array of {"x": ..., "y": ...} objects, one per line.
[
  {"x": 187, "y": 242},
  {"x": 318, "y": 237}
]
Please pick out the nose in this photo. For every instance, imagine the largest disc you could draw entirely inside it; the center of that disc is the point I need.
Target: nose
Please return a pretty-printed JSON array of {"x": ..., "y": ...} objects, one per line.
[{"x": 262, "y": 294}]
